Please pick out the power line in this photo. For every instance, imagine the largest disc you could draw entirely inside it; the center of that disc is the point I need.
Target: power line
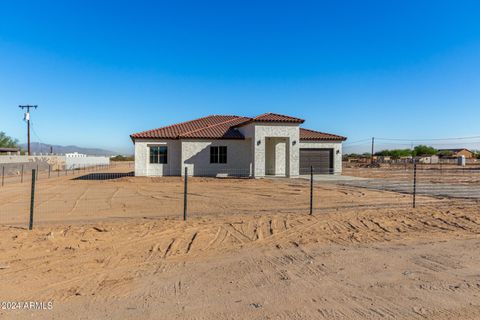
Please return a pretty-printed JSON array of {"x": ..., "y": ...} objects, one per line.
[
  {"x": 358, "y": 141},
  {"x": 36, "y": 135},
  {"x": 436, "y": 139},
  {"x": 409, "y": 141}
]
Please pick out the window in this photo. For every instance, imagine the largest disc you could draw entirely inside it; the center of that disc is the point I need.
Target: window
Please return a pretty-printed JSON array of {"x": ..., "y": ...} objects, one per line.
[
  {"x": 158, "y": 155},
  {"x": 218, "y": 154}
]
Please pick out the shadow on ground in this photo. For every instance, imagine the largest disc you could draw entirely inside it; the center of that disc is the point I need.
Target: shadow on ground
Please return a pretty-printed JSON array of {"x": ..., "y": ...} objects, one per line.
[{"x": 105, "y": 176}]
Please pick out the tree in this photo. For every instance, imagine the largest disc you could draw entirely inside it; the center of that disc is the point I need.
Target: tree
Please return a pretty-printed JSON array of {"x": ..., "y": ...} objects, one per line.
[
  {"x": 7, "y": 142},
  {"x": 122, "y": 158},
  {"x": 424, "y": 151}
]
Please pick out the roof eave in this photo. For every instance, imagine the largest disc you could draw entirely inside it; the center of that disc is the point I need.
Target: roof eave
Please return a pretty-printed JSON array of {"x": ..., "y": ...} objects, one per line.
[
  {"x": 187, "y": 138},
  {"x": 317, "y": 139}
]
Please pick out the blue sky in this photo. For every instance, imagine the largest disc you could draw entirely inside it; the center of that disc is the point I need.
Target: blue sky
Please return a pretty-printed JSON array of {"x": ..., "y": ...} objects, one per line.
[{"x": 101, "y": 70}]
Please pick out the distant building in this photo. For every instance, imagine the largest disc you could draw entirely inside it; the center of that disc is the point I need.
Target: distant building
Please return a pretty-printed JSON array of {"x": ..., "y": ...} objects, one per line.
[
  {"x": 75, "y": 155},
  {"x": 455, "y": 153},
  {"x": 9, "y": 150},
  {"x": 428, "y": 160}
]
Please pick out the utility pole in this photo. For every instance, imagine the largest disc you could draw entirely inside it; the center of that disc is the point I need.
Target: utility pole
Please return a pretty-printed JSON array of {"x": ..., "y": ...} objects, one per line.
[
  {"x": 27, "y": 118},
  {"x": 373, "y": 148}
]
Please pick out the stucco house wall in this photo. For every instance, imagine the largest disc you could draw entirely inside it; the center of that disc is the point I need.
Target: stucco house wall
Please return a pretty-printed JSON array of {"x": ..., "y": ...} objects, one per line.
[
  {"x": 272, "y": 130},
  {"x": 337, "y": 152},
  {"x": 143, "y": 167},
  {"x": 196, "y": 157}
]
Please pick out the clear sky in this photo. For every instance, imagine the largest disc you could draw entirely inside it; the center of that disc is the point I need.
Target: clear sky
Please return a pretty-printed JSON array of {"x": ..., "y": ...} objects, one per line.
[{"x": 101, "y": 70}]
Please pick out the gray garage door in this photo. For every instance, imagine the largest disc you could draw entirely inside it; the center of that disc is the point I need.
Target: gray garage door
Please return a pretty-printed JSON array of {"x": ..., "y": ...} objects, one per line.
[{"x": 320, "y": 159}]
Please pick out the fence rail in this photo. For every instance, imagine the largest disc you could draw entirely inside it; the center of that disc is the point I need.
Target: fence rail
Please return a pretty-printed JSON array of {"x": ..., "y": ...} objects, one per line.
[
  {"x": 12, "y": 173},
  {"x": 112, "y": 192}
]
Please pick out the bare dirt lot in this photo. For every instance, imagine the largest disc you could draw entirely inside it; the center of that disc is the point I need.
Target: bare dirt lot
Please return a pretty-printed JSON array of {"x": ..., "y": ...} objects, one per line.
[{"x": 119, "y": 249}]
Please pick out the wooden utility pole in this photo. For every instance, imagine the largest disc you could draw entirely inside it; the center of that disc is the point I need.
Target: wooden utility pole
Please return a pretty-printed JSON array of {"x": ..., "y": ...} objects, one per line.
[
  {"x": 373, "y": 148},
  {"x": 27, "y": 118}
]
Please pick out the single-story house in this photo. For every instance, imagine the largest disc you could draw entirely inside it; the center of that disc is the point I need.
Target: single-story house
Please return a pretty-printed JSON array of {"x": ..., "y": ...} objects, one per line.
[
  {"x": 224, "y": 145},
  {"x": 455, "y": 153}
]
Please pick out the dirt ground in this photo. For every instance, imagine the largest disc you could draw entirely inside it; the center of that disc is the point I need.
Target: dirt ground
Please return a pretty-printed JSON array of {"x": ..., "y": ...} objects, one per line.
[
  {"x": 118, "y": 249},
  {"x": 110, "y": 195}
]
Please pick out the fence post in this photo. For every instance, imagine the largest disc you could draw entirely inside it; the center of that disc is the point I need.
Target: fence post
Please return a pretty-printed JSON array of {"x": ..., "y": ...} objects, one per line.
[
  {"x": 32, "y": 200},
  {"x": 185, "y": 195},
  {"x": 311, "y": 190},
  {"x": 21, "y": 179},
  {"x": 49, "y": 170},
  {"x": 37, "y": 172},
  {"x": 3, "y": 175},
  {"x": 414, "y": 183}
]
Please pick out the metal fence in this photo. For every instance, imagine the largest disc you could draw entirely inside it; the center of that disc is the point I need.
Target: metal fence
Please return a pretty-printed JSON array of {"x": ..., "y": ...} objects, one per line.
[
  {"x": 112, "y": 192},
  {"x": 12, "y": 173}
]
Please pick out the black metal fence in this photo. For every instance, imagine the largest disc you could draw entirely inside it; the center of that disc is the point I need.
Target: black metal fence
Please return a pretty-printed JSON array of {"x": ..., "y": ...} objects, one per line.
[{"x": 20, "y": 172}]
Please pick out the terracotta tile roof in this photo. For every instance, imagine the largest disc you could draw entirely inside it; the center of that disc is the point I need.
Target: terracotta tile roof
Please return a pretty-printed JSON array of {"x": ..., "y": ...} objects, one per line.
[
  {"x": 212, "y": 127},
  {"x": 455, "y": 150},
  {"x": 9, "y": 149},
  {"x": 274, "y": 117},
  {"x": 221, "y": 130},
  {"x": 306, "y": 134},
  {"x": 224, "y": 127}
]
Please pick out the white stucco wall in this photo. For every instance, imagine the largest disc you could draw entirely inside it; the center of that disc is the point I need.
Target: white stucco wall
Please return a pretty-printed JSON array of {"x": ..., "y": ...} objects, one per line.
[
  {"x": 260, "y": 131},
  {"x": 87, "y": 161},
  {"x": 143, "y": 167},
  {"x": 196, "y": 157},
  {"x": 337, "y": 151}
]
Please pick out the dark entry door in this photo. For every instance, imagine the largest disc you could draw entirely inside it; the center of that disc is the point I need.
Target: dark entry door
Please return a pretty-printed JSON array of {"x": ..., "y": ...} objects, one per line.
[{"x": 320, "y": 159}]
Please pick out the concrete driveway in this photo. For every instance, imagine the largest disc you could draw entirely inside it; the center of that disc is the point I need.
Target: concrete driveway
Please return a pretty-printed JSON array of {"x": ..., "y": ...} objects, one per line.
[{"x": 403, "y": 186}]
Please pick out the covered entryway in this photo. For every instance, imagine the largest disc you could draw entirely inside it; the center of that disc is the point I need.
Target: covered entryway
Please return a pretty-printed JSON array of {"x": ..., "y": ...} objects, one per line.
[
  {"x": 320, "y": 159},
  {"x": 276, "y": 156}
]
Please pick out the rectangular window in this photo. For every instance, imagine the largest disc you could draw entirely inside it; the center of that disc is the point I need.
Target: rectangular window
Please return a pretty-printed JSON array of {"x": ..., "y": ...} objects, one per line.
[
  {"x": 218, "y": 154},
  {"x": 158, "y": 154}
]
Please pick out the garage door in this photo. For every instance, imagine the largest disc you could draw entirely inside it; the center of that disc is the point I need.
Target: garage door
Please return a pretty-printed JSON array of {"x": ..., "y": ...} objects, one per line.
[{"x": 320, "y": 159}]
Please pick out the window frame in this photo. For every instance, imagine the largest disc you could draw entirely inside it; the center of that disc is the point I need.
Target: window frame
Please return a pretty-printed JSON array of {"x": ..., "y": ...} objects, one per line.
[
  {"x": 160, "y": 157},
  {"x": 218, "y": 155}
]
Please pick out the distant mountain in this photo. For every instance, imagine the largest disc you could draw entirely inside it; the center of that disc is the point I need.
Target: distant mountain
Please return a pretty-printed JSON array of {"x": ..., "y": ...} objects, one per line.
[{"x": 38, "y": 147}]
